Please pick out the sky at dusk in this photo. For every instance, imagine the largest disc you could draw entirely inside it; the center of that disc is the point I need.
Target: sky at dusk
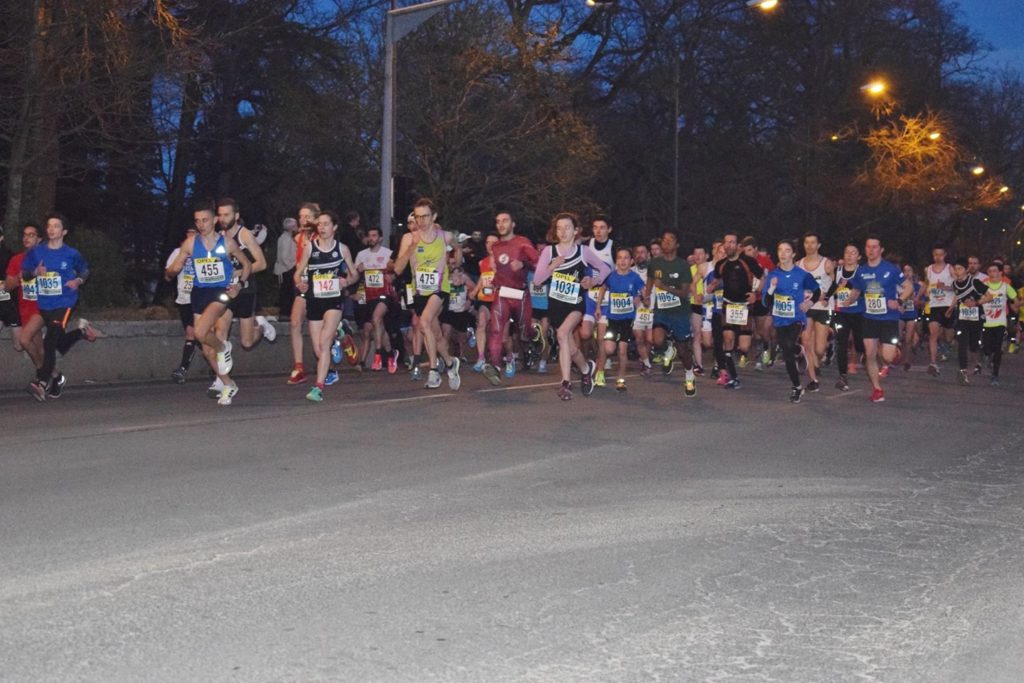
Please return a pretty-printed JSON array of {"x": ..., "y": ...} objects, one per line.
[{"x": 1000, "y": 23}]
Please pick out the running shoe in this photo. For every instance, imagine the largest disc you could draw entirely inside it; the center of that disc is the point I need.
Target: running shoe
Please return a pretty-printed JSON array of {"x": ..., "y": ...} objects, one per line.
[
  {"x": 331, "y": 378},
  {"x": 226, "y": 394},
  {"x": 877, "y": 396},
  {"x": 492, "y": 374},
  {"x": 813, "y": 386},
  {"x": 933, "y": 369},
  {"x": 620, "y": 385},
  {"x": 587, "y": 380},
  {"x": 668, "y": 368},
  {"x": 715, "y": 372},
  {"x": 565, "y": 391},
  {"x": 213, "y": 391},
  {"x": 796, "y": 395},
  {"x": 842, "y": 384},
  {"x": 994, "y": 381},
  {"x": 269, "y": 331},
  {"x": 393, "y": 362},
  {"x": 416, "y": 374},
  {"x": 977, "y": 369},
  {"x": 510, "y": 368},
  {"x": 479, "y": 365},
  {"x": 607, "y": 363},
  {"x": 690, "y": 387},
  {"x": 645, "y": 370},
  {"x": 433, "y": 380},
  {"x": 224, "y": 361},
  {"x": 698, "y": 370},
  {"x": 669, "y": 355},
  {"x": 471, "y": 338},
  {"x": 961, "y": 378},
  {"x": 759, "y": 366},
  {"x": 723, "y": 379},
  {"x": 766, "y": 357},
  {"x": 542, "y": 367},
  {"x": 378, "y": 362},
  {"x": 454, "y": 381},
  {"x": 90, "y": 333},
  {"x": 298, "y": 375},
  {"x": 884, "y": 372},
  {"x": 37, "y": 390},
  {"x": 315, "y": 394},
  {"x": 179, "y": 374},
  {"x": 599, "y": 378},
  {"x": 56, "y": 386},
  {"x": 743, "y": 360},
  {"x": 733, "y": 384},
  {"x": 336, "y": 351},
  {"x": 1013, "y": 347}
]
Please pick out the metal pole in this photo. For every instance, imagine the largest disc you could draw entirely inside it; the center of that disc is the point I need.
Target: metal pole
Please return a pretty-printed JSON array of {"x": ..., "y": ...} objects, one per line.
[
  {"x": 387, "y": 147},
  {"x": 675, "y": 137}
]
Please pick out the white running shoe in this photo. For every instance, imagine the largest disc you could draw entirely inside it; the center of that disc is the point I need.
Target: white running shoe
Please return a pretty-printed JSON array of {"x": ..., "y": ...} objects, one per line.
[
  {"x": 454, "y": 381},
  {"x": 213, "y": 391},
  {"x": 226, "y": 394},
  {"x": 224, "y": 361},
  {"x": 269, "y": 331}
]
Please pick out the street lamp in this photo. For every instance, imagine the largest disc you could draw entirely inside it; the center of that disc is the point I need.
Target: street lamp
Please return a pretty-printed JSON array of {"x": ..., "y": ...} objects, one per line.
[
  {"x": 399, "y": 23},
  {"x": 934, "y": 136},
  {"x": 763, "y": 5},
  {"x": 875, "y": 88},
  {"x": 978, "y": 170}
]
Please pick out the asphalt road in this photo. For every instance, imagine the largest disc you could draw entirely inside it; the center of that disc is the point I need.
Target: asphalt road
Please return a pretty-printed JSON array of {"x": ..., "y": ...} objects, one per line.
[{"x": 391, "y": 534}]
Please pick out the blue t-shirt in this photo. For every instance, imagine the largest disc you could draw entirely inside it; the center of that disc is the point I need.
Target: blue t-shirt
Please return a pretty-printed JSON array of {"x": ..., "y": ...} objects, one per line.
[
  {"x": 878, "y": 285},
  {"x": 538, "y": 293},
  {"x": 789, "y": 294},
  {"x": 620, "y": 291},
  {"x": 63, "y": 265}
]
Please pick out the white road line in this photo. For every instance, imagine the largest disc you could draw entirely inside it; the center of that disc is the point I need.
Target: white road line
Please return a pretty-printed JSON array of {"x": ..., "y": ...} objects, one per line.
[{"x": 843, "y": 393}]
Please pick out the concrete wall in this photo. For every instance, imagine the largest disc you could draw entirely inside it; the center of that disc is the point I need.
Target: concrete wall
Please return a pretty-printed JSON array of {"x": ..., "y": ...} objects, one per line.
[{"x": 136, "y": 351}]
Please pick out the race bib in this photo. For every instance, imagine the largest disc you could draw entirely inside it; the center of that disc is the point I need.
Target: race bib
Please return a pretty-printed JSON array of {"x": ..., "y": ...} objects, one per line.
[
  {"x": 458, "y": 300},
  {"x": 361, "y": 295},
  {"x": 565, "y": 287},
  {"x": 621, "y": 303},
  {"x": 210, "y": 271},
  {"x": 908, "y": 306},
  {"x": 4, "y": 294},
  {"x": 540, "y": 290},
  {"x": 783, "y": 306},
  {"x": 486, "y": 286},
  {"x": 427, "y": 281},
  {"x": 187, "y": 283},
  {"x": 326, "y": 286},
  {"x": 842, "y": 297},
  {"x": 644, "y": 316},
  {"x": 28, "y": 290},
  {"x": 374, "y": 279},
  {"x": 874, "y": 303},
  {"x": 736, "y": 314},
  {"x": 969, "y": 313},
  {"x": 664, "y": 300},
  {"x": 410, "y": 295},
  {"x": 49, "y": 284},
  {"x": 938, "y": 298},
  {"x": 995, "y": 310}
]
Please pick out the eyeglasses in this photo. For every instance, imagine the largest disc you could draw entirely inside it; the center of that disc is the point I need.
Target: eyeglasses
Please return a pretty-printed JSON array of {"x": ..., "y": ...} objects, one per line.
[{"x": 421, "y": 215}]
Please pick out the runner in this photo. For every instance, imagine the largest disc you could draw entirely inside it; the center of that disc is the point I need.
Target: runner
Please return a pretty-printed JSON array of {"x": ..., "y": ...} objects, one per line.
[
  {"x": 379, "y": 308},
  {"x": 329, "y": 268},
  {"x": 939, "y": 278},
  {"x": 884, "y": 289},
  {"x": 214, "y": 287},
  {"x": 823, "y": 270},
  {"x": 8, "y": 300},
  {"x": 910, "y": 317},
  {"x": 761, "y": 316},
  {"x": 28, "y": 337},
  {"x": 59, "y": 272},
  {"x": 483, "y": 299},
  {"x": 738, "y": 275},
  {"x": 643, "y": 323},
  {"x": 698, "y": 270},
  {"x": 849, "y": 316},
  {"x": 967, "y": 290},
  {"x": 601, "y": 244},
  {"x": 1000, "y": 299},
  {"x": 668, "y": 286},
  {"x": 539, "y": 304},
  {"x": 626, "y": 291},
  {"x": 514, "y": 256},
  {"x": 457, "y": 318},
  {"x": 251, "y": 327},
  {"x": 790, "y": 293},
  {"x": 425, "y": 251},
  {"x": 185, "y": 281},
  {"x": 307, "y": 226},
  {"x": 565, "y": 264}
]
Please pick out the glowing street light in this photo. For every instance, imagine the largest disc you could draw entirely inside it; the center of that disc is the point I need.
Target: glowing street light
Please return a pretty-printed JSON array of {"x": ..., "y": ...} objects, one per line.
[
  {"x": 875, "y": 88},
  {"x": 600, "y": 3},
  {"x": 763, "y": 5},
  {"x": 978, "y": 170},
  {"x": 934, "y": 136},
  {"x": 1004, "y": 189}
]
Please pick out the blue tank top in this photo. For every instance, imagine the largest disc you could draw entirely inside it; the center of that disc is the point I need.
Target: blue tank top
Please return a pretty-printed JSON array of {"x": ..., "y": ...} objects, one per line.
[{"x": 213, "y": 266}]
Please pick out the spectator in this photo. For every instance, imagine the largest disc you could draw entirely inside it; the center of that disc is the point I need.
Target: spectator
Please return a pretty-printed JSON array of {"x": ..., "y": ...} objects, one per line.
[{"x": 284, "y": 266}]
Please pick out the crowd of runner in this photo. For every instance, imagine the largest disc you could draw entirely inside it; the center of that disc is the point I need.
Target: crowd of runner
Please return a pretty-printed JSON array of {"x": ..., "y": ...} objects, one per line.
[{"x": 581, "y": 300}]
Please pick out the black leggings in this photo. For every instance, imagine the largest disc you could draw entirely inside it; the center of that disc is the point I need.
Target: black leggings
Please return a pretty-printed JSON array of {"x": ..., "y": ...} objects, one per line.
[
  {"x": 992, "y": 339},
  {"x": 789, "y": 339},
  {"x": 57, "y": 339},
  {"x": 845, "y": 324},
  {"x": 968, "y": 338}
]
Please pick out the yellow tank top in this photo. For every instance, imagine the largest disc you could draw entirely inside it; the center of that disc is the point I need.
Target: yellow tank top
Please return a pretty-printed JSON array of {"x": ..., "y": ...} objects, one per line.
[{"x": 430, "y": 267}]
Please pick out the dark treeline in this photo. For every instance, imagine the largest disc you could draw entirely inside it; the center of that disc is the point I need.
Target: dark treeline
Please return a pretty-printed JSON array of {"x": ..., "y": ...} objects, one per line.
[{"x": 121, "y": 112}]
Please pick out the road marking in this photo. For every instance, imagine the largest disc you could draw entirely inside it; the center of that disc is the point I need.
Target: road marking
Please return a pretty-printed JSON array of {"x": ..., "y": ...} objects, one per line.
[
  {"x": 843, "y": 393},
  {"x": 520, "y": 387}
]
